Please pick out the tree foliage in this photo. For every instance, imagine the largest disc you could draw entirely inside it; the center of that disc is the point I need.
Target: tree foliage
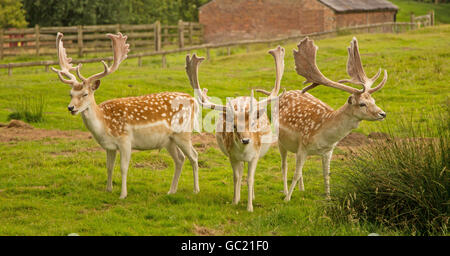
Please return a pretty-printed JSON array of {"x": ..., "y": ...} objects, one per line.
[
  {"x": 12, "y": 14},
  {"x": 94, "y": 12}
]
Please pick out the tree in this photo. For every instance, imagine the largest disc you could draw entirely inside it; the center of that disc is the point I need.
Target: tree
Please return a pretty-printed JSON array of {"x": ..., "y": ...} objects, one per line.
[
  {"x": 94, "y": 12},
  {"x": 12, "y": 14}
]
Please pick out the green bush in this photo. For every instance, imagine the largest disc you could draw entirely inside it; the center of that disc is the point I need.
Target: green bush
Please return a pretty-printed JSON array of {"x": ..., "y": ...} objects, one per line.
[
  {"x": 29, "y": 109},
  {"x": 401, "y": 183}
]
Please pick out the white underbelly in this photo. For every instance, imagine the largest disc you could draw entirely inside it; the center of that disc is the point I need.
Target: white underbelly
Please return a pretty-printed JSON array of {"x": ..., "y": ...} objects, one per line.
[{"x": 154, "y": 137}]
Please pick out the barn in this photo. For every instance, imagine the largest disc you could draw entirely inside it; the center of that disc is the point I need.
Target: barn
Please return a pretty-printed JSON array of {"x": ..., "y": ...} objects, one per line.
[{"x": 231, "y": 20}]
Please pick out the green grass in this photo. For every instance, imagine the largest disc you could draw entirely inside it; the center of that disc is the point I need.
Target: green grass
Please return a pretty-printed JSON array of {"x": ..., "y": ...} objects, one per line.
[
  {"x": 442, "y": 11},
  {"x": 402, "y": 183},
  {"x": 57, "y": 186}
]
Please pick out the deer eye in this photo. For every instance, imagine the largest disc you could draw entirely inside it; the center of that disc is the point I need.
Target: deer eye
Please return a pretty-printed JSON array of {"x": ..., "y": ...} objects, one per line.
[
  {"x": 84, "y": 95},
  {"x": 362, "y": 104}
]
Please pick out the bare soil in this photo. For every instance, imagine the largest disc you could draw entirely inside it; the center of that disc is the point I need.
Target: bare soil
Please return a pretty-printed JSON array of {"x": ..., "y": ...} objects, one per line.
[
  {"x": 17, "y": 130},
  {"x": 20, "y": 131}
]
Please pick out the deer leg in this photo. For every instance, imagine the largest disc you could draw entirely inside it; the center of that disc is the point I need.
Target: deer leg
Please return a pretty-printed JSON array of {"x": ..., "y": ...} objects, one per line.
[
  {"x": 326, "y": 159},
  {"x": 237, "y": 167},
  {"x": 178, "y": 158},
  {"x": 300, "y": 161},
  {"x": 189, "y": 151},
  {"x": 251, "y": 181},
  {"x": 110, "y": 159},
  {"x": 284, "y": 168},
  {"x": 125, "y": 156}
]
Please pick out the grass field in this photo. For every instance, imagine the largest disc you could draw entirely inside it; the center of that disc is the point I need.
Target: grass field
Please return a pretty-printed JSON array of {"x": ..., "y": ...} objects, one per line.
[
  {"x": 419, "y": 8},
  {"x": 57, "y": 186}
]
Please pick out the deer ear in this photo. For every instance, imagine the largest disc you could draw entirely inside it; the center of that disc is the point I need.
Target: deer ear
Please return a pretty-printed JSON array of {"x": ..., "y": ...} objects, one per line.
[
  {"x": 350, "y": 99},
  {"x": 95, "y": 85}
]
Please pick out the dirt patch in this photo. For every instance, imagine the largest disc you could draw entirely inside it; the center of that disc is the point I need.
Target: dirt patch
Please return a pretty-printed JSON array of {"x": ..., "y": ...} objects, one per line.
[
  {"x": 154, "y": 164},
  {"x": 17, "y": 124},
  {"x": 21, "y": 131},
  {"x": 203, "y": 141},
  {"x": 204, "y": 231},
  {"x": 354, "y": 139}
]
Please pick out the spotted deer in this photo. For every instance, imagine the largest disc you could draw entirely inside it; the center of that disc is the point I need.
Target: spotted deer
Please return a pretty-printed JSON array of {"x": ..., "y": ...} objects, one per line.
[
  {"x": 154, "y": 121},
  {"x": 310, "y": 127},
  {"x": 243, "y": 130}
]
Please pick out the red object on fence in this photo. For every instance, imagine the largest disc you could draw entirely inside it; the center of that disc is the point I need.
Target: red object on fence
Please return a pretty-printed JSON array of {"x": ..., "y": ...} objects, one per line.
[{"x": 16, "y": 44}]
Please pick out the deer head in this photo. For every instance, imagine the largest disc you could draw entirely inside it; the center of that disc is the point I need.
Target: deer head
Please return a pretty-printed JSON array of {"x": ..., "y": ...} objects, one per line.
[
  {"x": 242, "y": 117},
  {"x": 82, "y": 92},
  {"x": 361, "y": 103}
]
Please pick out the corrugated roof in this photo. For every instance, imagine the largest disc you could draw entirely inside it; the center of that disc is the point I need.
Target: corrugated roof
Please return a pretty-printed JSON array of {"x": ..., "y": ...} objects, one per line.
[{"x": 359, "y": 5}]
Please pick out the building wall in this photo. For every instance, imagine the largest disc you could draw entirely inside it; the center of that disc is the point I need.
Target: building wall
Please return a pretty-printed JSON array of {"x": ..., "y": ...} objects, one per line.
[
  {"x": 353, "y": 19},
  {"x": 230, "y": 20}
]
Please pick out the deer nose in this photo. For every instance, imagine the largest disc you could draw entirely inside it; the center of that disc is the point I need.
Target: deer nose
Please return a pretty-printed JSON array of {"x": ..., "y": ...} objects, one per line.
[
  {"x": 382, "y": 114},
  {"x": 70, "y": 108},
  {"x": 245, "y": 141}
]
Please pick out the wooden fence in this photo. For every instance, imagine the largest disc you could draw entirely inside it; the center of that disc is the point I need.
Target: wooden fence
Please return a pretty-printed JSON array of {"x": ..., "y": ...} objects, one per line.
[
  {"x": 424, "y": 20},
  {"x": 392, "y": 27},
  {"x": 87, "y": 39}
]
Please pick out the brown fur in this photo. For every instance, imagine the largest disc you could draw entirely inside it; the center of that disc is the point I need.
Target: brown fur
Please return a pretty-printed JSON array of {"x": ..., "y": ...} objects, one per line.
[
  {"x": 118, "y": 113},
  {"x": 303, "y": 113},
  {"x": 242, "y": 106}
]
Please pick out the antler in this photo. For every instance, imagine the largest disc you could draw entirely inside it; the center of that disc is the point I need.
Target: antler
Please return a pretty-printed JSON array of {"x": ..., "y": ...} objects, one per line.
[
  {"x": 64, "y": 63},
  {"x": 356, "y": 71},
  {"x": 192, "y": 64},
  {"x": 305, "y": 65},
  {"x": 120, "y": 49},
  {"x": 278, "y": 55}
]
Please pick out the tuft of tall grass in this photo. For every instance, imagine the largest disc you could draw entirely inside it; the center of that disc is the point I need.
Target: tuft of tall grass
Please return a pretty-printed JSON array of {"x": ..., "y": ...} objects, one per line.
[
  {"x": 29, "y": 108},
  {"x": 402, "y": 182}
]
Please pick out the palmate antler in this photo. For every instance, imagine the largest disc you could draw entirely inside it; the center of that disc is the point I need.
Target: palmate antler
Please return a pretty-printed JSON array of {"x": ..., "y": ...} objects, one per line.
[
  {"x": 278, "y": 55},
  {"x": 356, "y": 71},
  {"x": 305, "y": 65},
  {"x": 66, "y": 66},
  {"x": 193, "y": 62},
  {"x": 120, "y": 49}
]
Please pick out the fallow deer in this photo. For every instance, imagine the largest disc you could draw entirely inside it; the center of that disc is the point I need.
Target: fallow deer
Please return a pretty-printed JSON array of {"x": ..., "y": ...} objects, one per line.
[
  {"x": 154, "y": 121},
  {"x": 310, "y": 127},
  {"x": 243, "y": 130}
]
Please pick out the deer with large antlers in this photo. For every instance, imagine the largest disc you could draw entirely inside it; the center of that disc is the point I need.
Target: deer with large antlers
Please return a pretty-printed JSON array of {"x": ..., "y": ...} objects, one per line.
[
  {"x": 154, "y": 121},
  {"x": 243, "y": 130},
  {"x": 310, "y": 127}
]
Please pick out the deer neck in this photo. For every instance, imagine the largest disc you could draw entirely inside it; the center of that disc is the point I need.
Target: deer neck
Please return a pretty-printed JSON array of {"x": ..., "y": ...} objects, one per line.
[
  {"x": 341, "y": 123},
  {"x": 92, "y": 119}
]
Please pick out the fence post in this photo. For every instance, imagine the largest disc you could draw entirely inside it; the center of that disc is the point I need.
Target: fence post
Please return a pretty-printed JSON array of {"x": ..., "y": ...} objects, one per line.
[
  {"x": 180, "y": 34},
  {"x": 157, "y": 31},
  {"x": 432, "y": 18},
  {"x": 191, "y": 31},
  {"x": 80, "y": 40},
  {"x": 166, "y": 39},
  {"x": 207, "y": 54},
  {"x": 1, "y": 43},
  {"x": 37, "y": 38},
  {"x": 164, "y": 61},
  {"x": 412, "y": 21}
]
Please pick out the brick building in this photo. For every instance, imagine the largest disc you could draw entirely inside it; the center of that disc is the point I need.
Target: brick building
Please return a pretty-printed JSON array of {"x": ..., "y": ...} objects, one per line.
[{"x": 231, "y": 20}]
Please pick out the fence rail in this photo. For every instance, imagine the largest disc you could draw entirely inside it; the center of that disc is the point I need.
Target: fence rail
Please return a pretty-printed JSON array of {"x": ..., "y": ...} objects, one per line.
[
  {"x": 424, "y": 20},
  {"x": 392, "y": 27},
  {"x": 85, "y": 39}
]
